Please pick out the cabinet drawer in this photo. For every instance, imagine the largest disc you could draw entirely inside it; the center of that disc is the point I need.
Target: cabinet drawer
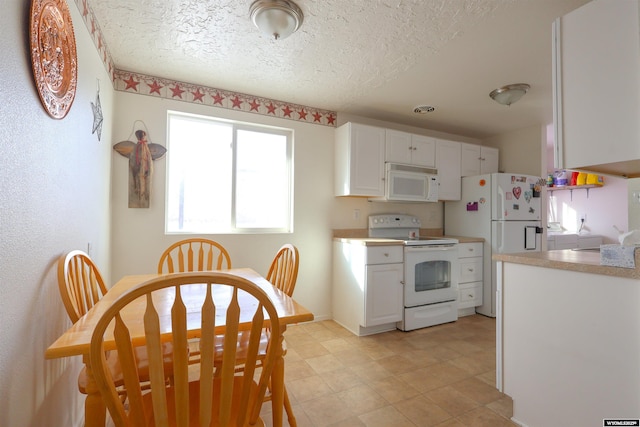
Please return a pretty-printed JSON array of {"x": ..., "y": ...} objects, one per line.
[
  {"x": 466, "y": 250},
  {"x": 470, "y": 295},
  {"x": 384, "y": 254},
  {"x": 470, "y": 270}
]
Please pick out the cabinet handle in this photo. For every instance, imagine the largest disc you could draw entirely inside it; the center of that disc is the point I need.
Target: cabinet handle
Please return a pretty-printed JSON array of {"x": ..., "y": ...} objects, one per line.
[
  {"x": 470, "y": 270},
  {"x": 402, "y": 282},
  {"x": 470, "y": 295},
  {"x": 386, "y": 254}
]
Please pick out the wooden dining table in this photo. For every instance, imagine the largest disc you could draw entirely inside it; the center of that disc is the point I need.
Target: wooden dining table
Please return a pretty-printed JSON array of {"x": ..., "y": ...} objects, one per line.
[{"x": 77, "y": 339}]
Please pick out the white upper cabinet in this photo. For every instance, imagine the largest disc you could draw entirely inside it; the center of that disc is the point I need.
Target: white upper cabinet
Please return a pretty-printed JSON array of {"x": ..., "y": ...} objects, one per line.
[
  {"x": 597, "y": 88},
  {"x": 478, "y": 160},
  {"x": 410, "y": 149},
  {"x": 448, "y": 161},
  {"x": 359, "y": 160}
]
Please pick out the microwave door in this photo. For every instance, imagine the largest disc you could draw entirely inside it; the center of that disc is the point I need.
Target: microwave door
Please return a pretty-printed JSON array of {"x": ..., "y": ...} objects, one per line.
[{"x": 407, "y": 186}]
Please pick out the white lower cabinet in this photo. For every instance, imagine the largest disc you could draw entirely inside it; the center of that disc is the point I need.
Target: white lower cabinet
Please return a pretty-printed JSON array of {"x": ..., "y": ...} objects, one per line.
[
  {"x": 470, "y": 279},
  {"x": 367, "y": 295}
]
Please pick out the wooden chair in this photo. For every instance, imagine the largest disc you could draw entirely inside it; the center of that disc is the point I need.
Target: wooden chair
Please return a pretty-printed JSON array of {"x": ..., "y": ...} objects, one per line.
[
  {"x": 195, "y": 254},
  {"x": 218, "y": 395},
  {"x": 81, "y": 285},
  {"x": 283, "y": 271},
  {"x": 283, "y": 274}
]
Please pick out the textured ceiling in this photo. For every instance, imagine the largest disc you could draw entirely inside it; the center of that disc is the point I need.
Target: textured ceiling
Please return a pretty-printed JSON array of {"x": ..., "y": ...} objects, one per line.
[{"x": 373, "y": 58}]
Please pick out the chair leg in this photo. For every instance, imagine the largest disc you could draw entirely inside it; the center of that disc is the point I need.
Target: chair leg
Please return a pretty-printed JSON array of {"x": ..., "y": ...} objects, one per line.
[{"x": 289, "y": 410}]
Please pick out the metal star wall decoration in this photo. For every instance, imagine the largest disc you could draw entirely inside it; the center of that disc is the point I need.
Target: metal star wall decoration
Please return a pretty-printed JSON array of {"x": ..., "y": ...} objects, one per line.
[{"x": 97, "y": 116}]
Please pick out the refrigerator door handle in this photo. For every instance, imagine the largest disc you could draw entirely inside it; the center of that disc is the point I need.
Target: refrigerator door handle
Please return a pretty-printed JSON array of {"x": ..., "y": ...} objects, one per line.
[
  {"x": 499, "y": 240},
  {"x": 530, "y": 237}
]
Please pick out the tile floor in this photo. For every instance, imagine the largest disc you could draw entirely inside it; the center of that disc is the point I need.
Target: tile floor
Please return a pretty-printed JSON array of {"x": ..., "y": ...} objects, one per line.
[{"x": 438, "y": 376}]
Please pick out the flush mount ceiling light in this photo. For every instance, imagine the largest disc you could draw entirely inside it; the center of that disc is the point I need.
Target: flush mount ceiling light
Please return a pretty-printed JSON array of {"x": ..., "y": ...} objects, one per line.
[
  {"x": 278, "y": 18},
  {"x": 509, "y": 94}
]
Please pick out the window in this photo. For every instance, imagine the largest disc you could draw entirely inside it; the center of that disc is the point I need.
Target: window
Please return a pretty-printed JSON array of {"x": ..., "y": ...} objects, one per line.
[{"x": 227, "y": 177}]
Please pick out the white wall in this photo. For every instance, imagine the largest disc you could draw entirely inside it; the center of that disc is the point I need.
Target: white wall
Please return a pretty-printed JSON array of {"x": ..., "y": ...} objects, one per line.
[
  {"x": 521, "y": 151},
  {"x": 54, "y": 197},
  {"x": 604, "y": 207}
]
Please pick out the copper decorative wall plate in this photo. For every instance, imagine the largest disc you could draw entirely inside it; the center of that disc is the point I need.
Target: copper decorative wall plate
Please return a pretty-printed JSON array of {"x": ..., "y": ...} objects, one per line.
[{"x": 53, "y": 55}]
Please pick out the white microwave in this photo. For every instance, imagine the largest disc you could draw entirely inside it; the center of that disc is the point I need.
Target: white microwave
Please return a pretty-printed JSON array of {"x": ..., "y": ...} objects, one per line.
[{"x": 410, "y": 183}]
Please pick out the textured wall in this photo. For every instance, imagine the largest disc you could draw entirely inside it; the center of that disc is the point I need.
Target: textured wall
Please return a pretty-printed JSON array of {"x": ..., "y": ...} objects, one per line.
[{"x": 54, "y": 196}]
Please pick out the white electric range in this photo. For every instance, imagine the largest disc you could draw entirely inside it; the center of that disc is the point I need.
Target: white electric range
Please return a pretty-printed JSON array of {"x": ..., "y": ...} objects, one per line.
[{"x": 430, "y": 271}]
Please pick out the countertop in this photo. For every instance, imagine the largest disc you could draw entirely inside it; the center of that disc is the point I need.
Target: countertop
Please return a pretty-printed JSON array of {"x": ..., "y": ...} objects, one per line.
[{"x": 567, "y": 259}]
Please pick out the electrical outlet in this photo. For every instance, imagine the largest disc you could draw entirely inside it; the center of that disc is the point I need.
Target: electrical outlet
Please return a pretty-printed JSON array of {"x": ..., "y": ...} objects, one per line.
[
  {"x": 356, "y": 214},
  {"x": 583, "y": 217}
]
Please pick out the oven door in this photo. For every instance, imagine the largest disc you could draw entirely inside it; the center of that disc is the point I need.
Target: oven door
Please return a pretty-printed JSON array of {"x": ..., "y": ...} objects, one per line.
[{"x": 430, "y": 274}]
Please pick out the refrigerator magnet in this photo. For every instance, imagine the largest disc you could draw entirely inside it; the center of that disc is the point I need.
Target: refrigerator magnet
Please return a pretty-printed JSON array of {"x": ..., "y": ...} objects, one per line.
[{"x": 516, "y": 192}]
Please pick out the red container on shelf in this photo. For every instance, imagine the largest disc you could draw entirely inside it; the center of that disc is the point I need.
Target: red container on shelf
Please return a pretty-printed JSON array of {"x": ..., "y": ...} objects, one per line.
[{"x": 574, "y": 178}]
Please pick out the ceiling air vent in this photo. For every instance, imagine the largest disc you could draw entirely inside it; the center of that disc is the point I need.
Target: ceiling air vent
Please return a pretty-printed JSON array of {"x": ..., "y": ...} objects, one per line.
[{"x": 423, "y": 109}]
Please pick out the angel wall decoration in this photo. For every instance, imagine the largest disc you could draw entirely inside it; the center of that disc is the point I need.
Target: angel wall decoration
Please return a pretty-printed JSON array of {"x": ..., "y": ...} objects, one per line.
[{"x": 141, "y": 155}]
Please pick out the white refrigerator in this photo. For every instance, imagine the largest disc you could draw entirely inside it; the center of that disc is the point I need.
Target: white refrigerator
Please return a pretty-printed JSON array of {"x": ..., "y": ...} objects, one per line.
[{"x": 502, "y": 208}]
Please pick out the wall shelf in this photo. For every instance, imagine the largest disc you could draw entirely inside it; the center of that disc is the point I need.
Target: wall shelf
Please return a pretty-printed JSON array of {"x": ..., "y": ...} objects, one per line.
[{"x": 573, "y": 187}]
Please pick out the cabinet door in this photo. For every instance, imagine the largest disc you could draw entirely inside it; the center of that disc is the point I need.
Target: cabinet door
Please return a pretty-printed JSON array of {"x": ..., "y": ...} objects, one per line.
[
  {"x": 448, "y": 164},
  {"x": 597, "y": 85},
  {"x": 477, "y": 160},
  {"x": 397, "y": 146},
  {"x": 468, "y": 250},
  {"x": 470, "y": 270},
  {"x": 469, "y": 159},
  {"x": 489, "y": 158},
  {"x": 423, "y": 151},
  {"x": 470, "y": 295},
  {"x": 359, "y": 160},
  {"x": 383, "y": 294}
]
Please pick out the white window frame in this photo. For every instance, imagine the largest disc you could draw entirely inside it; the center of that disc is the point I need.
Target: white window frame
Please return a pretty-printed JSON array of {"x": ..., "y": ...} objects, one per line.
[{"x": 236, "y": 126}]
